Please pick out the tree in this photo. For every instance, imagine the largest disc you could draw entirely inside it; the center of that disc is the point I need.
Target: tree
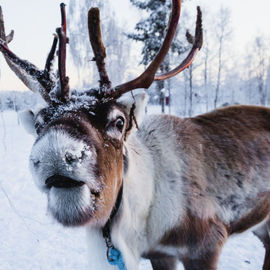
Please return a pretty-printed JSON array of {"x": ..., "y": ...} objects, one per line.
[
  {"x": 151, "y": 31},
  {"x": 257, "y": 69},
  {"x": 223, "y": 34},
  {"x": 260, "y": 69},
  {"x": 267, "y": 83},
  {"x": 206, "y": 55}
]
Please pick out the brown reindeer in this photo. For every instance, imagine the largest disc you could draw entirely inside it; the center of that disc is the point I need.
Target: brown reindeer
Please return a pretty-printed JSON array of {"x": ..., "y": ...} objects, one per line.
[{"x": 174, "y": 189}]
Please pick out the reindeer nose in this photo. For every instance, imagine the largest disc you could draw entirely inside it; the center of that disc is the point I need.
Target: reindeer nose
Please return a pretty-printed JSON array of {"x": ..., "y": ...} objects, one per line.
[{"x": 70, "y": 158}]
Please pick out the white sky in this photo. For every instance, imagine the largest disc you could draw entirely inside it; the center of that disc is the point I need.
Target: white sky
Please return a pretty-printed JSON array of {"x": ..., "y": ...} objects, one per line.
[{"x": 34, "y": 21}]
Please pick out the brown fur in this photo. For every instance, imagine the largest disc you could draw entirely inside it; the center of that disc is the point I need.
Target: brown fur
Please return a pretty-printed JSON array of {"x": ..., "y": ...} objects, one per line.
[
  {"x": 225, "y": 152},
  {"x": 169, "y": 263},
  {"x": 111, "y": 168},
  {"x": 255, "y": 216}
]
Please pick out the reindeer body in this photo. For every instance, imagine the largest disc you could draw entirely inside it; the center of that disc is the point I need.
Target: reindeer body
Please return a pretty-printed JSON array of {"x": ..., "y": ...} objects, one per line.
[
  {"x": 186, "y": 184},
  {"x": 191, "y": 183}
]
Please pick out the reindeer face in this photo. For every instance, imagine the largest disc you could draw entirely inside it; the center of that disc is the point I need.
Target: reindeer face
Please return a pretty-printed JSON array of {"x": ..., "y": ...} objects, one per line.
[{"x": 77, "y": 158}]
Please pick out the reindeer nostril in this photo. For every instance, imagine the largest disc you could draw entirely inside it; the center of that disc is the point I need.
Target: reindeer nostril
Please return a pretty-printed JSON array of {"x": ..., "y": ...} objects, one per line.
[
  {"x": 36, "y": 162},
  {"x": 70, "y": 158}
]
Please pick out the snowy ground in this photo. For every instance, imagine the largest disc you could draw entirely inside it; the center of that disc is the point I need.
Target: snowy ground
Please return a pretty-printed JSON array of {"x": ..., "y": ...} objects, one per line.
[{"x": 30, "y": 239}]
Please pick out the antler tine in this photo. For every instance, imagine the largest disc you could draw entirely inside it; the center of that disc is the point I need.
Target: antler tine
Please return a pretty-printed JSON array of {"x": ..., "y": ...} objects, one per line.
[
  {"x": 147, "y": 77},
  {"x": 63, "y": 18},
  {"x": 28, "y": 73},
  {"x": 64, "y": 80},
  {"x": 9, "y": 38},
  {"x": 51, "y": 55},
  {"x": 98, "y": 47},
  {"x": 3, "y": 36},
  {"x": 197, "y": 44}
]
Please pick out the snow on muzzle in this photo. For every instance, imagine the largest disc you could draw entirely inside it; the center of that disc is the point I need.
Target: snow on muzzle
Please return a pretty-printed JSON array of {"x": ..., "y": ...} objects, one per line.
[
  {"x": 64, "y": 168},
  {"x": 62, "y": 161}
]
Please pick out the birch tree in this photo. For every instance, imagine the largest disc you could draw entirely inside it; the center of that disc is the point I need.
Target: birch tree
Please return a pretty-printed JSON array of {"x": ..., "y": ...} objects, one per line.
[{"x": 223, "y": 32}]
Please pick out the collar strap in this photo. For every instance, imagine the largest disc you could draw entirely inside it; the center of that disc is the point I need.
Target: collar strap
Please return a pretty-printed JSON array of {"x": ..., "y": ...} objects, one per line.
[
  {"x": 107, "y": 228},
  {"x": 106, "y": 231},
  {"x": 114, "y": 255}
]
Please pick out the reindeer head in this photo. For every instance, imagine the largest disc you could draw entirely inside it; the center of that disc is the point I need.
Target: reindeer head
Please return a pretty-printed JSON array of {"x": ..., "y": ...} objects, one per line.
[{"x": 78, "y": 156}]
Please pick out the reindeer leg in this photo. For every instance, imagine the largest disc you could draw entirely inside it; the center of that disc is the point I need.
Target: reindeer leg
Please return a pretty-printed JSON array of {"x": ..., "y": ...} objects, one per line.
[
  {"x": 263, "y": 234},
  {"x": 208, "y": 262},
  {"x": 168, "y": 263},
  {"x": 208, "y": 255}
]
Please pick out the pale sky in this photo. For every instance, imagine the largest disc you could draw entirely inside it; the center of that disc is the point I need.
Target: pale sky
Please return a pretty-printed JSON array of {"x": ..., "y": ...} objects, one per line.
[{"x": 34, "y": 21}]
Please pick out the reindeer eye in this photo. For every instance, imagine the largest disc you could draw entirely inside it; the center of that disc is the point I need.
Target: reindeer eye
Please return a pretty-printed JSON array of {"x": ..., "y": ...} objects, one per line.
[{"x": 119, "y": 123}]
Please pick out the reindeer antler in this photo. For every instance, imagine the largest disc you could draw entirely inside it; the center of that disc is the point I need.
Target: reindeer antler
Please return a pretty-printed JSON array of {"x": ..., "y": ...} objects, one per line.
[
  {"x": 63, "y": 94},
  {"x": 98, "y": 47},
  {"x": 28, "y": 73},
  {"x": 41, "y": 81},
  {"x": 197, "y": 44},
  {"x": 148, "y": 76},
  {"x": 49, "y": 61}
]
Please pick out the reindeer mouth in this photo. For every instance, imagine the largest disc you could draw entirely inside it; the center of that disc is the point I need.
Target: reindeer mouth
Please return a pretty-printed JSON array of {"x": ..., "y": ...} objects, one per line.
[
  {"x": 60, "y": 181},
  {"x": 71, "y": 202}
]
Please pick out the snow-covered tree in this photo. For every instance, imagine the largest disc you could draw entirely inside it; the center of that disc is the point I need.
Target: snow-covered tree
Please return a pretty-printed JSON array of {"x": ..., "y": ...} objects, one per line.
[
  {"x": 223, "y": 33},
  {"x": 256, "y": 69},
  {"x": 151, "y": 31},
  {"x": 260, "y": 68}
]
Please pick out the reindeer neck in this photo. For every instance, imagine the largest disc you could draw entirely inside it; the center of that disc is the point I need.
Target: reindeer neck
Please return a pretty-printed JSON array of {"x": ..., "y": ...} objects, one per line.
[{"x": 127, "y": 229}]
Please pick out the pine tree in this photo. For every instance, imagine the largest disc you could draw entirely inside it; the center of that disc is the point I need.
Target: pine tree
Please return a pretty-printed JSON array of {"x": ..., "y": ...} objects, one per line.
[{"x": 151, "y": 32}]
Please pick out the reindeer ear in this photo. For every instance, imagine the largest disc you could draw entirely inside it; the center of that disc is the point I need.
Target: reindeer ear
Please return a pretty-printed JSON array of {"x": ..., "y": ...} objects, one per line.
[
  {"x": 139, "y": 99},
  {"x": 28, "y": 120}
]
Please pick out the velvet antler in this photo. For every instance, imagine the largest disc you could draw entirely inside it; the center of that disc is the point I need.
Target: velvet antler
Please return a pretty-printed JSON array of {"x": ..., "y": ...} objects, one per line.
[{"x": 98, "y": 47}]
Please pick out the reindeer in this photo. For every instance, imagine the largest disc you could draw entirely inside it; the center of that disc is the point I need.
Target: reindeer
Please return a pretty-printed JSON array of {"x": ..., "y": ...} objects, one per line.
[{"x": 172, "y": 189}]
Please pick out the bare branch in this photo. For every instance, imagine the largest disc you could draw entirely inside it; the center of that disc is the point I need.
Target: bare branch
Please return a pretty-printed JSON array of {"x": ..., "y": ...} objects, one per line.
[{"x": 98, "y": 47}]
